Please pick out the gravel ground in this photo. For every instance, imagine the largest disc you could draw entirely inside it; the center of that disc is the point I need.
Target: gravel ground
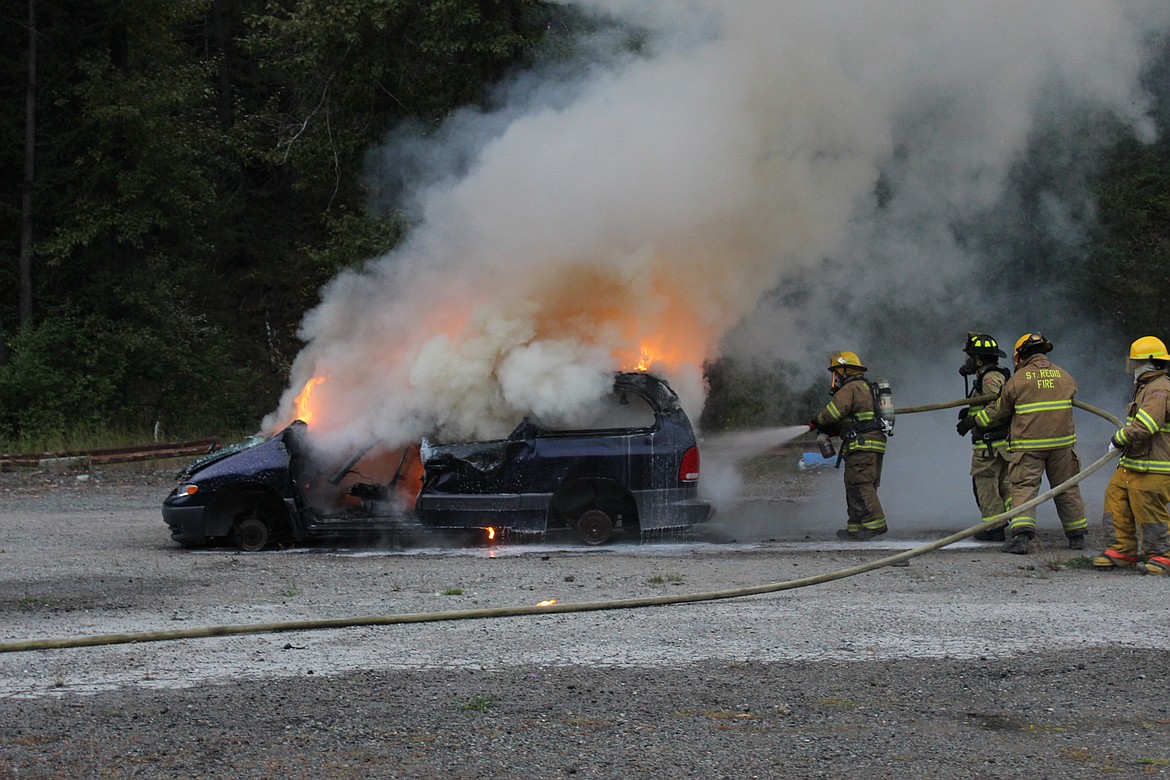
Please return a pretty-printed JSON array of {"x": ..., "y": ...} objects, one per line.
[{"x": 968, "y": 662}]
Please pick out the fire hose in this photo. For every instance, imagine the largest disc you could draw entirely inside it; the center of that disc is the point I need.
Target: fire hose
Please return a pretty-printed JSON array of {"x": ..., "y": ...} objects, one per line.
[{"x": 588, "y": 606}]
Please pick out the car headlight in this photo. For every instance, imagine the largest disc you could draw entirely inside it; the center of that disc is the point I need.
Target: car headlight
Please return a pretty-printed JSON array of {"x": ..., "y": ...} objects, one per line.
[{"x": 186, "y": 491}]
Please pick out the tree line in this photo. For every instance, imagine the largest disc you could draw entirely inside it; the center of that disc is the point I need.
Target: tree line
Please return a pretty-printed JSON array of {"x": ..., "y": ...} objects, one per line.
[{"x": 180, "y": 179}]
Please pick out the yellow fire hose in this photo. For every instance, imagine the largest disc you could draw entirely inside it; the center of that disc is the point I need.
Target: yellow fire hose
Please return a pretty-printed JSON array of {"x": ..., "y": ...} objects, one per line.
[{"x": 588, "y": 606}]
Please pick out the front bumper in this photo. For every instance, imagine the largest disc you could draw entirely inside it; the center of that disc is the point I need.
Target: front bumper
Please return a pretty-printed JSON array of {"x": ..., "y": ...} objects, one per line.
[{"x": 186, "y": 523}]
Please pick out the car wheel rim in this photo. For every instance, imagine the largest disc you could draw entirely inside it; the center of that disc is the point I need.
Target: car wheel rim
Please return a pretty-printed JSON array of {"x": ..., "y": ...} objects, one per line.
[
  {"x": 252, "y": 534},
  {"x": 594, "y": 527}
]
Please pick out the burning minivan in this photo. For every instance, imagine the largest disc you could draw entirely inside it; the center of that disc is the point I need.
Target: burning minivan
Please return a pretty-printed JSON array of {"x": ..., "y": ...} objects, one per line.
[{"x": 636, "y": 472}]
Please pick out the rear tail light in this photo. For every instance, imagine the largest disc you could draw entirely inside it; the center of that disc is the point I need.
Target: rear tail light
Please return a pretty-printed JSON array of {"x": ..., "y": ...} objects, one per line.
[{"x": 689, "y": 470}]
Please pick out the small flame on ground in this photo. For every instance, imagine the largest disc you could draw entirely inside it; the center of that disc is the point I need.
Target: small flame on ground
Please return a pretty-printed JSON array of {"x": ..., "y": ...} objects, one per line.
[
  {"x": 491, "y": 533},
  {"x": 304, "y": 410},
  {"x": 547, "y": 603}
]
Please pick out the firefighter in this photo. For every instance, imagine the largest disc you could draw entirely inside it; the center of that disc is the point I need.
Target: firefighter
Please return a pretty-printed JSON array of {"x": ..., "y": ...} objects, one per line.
[
  {"x": 852, "y": 414},
  {"x": 1038, "y": 402},
  {"x": 1140, "y": 489},
  {"x": 990, "y": 458}
]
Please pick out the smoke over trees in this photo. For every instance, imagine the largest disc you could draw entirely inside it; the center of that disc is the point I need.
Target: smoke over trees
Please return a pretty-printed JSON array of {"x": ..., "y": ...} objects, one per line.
[{"x": 203, "y": 170}]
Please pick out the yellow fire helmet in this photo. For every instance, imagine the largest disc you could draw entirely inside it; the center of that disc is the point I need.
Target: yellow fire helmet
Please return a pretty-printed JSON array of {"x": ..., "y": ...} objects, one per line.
[
  {"x": 1030, "y": 344},
  {"x": 845, "y": 360},
  {"x": 1143, "y": 350},
  {"x": 1148, "y": 348}
]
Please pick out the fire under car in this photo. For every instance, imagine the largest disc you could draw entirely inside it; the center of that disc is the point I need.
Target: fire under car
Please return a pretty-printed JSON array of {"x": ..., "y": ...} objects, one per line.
[{"x": 636, "y": 473}]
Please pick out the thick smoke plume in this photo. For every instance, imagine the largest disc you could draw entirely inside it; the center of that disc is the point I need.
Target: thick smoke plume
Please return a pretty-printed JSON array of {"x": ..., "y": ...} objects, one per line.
[{"x": 646, "y": 209}]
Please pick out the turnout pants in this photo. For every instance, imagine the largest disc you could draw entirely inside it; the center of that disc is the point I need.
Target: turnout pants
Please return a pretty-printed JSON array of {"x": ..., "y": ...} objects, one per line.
[
  {"x": 863, "y": 475},
  {"x": 1058, "y": 464},
  {"x": 1137, "y": 502},
  {"x": 990, "y": 482}
]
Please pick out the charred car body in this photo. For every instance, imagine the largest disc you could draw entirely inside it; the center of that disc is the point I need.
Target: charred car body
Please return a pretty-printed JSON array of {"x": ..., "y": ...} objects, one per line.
[{"x": 637, "y": 473}]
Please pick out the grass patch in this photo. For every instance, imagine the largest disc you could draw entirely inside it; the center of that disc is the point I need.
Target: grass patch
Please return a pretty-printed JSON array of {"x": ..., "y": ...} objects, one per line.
[
  {"x": 34, "y": 739},
  {"x": 1150, "y": 761},
  {"x": 729, "y": 715},
  {"x": 1081, "y": 754},
  {"x": 838, "y": 702},
  {"x": 453, "y": 592},
  {"x": 672, "y": 577},
  {"x": 480, "y": 702}
]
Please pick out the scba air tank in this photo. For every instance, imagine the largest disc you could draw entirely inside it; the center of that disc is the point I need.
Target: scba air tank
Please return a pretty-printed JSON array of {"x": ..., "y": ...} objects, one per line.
[{"x": 884, "y": 400}]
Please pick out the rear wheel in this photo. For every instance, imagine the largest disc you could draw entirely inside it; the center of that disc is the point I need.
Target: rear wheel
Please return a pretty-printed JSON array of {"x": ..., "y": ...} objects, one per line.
[
  {"x": 252, "y": 534},
  {"x": 595, "y": 527}
]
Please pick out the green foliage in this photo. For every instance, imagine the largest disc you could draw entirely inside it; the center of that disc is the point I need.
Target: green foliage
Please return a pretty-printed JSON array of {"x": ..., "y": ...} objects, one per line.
[
  {"x": 480, "y": 702},
  {"x": 744, "y": 395},
  {"x": 198, "y": 181},
  {"x": 54, "y": 380},
  {"x": 346, "y": 70},
  {"x": 354, "y": 238},
  {"x": 80, "y": 371},
  {"x": 1131, "y": 250}
]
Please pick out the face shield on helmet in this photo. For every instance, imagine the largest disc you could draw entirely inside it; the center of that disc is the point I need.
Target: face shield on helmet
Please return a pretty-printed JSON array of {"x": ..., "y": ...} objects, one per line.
[
  {"x": 845, "y": 359},
  {"x": 1146, "y": 354},
  {"x": 841, "y": 365}
]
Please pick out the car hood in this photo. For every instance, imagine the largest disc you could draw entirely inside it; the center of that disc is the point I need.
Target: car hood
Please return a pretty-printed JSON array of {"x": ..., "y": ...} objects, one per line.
[{"x": 220, "y": 454}]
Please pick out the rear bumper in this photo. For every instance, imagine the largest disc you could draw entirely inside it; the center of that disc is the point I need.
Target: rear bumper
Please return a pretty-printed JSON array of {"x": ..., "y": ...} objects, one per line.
[{"x": 671, "y": 508}]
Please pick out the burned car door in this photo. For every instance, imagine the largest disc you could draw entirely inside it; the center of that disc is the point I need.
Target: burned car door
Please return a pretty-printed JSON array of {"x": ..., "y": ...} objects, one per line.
[{"x": 621, "y": 473}]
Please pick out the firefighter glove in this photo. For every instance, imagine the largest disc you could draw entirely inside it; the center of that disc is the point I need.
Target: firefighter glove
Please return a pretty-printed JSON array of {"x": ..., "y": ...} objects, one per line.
[
  {"x": 965, "y": 425},
  {"x": 966, "y": 410},
  {"x": 812, "y": 424},
  {"x": 1112, "y": 445}
]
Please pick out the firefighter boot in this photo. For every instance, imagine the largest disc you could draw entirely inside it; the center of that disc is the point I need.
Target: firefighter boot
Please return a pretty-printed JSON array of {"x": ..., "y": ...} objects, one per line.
[
  {"x": 850, "y": 531},
  {"x": 1017, "y": 544},
  {"x": 861, "y": 534},
  {"x": 1076, "y": 541},
  {"x": 1158, "y": 564},
  {"x": 992, "y": 535},
  {"x": 1112, "y": 559}
]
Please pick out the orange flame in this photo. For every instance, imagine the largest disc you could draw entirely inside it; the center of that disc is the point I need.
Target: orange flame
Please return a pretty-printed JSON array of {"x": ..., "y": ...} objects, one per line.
[
  {"x": 644, "y": 360},
  {"x": 302, "y": 401},
  {"x": 652, "y": 323},
  {"x": 547, "y": 603},
  {"x": 491, "y": 532}
]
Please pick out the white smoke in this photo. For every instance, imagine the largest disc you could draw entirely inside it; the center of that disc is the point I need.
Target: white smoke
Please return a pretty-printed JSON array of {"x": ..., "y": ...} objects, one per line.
[{"x": 653, "y": 204}]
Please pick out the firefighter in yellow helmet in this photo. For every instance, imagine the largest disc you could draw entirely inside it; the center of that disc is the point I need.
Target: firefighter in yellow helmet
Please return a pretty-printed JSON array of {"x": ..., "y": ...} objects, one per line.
[
  {"x": 853, "y": 415},
  {"x": 1038, "y": 402},
  {"x": 990, "y": 458},
  {"x": 1140, "y": 489}
]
